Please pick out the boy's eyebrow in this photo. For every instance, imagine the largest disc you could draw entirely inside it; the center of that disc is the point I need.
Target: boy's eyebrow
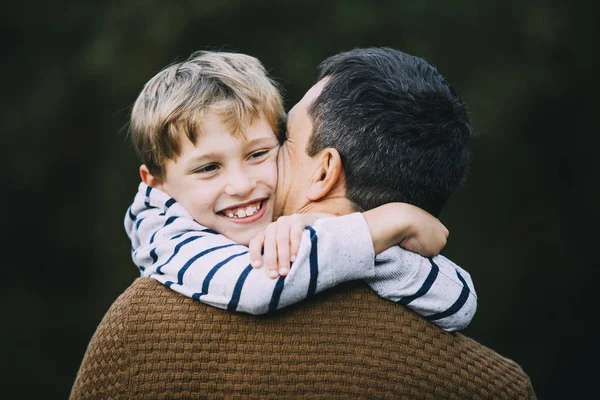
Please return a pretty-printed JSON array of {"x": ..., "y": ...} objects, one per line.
[
  {"x": 258, "y": 141},
  {"x": 193, "y": 162}
]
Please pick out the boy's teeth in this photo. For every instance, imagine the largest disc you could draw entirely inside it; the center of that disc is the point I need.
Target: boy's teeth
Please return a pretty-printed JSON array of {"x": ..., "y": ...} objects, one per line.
[{"x": 244, "y": 212}]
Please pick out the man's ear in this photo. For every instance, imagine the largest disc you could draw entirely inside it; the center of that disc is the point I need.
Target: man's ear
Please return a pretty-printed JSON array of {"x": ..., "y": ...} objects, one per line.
[
  {"x": 150, "y": 179},
  {"x": 327, "y": 176}
]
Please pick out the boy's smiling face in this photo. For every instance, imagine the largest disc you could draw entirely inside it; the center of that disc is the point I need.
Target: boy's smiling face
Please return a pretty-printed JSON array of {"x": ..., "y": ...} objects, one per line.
[{"x": 226, "y": 183}]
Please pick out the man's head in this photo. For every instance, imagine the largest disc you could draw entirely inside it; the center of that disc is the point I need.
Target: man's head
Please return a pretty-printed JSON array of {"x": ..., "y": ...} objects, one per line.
[
  {"x": 400, "y": 130},
  {"x": 205, "y": 130}
]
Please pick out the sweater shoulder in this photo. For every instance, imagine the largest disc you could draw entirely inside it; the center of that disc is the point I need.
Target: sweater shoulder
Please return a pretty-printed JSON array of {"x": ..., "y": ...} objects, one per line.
[{"x": 106, "y": 368}]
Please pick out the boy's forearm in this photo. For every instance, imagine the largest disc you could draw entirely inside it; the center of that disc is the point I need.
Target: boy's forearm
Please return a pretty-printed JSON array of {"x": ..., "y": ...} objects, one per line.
[
  {"x": 407, "y": 225},
  {"x": 386, "y": 230}
]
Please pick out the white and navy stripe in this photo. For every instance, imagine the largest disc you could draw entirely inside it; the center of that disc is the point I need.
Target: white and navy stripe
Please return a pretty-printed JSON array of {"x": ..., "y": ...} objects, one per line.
[
  {"x": 436, "y": 288},
  {"x": 170, "y": 246}
]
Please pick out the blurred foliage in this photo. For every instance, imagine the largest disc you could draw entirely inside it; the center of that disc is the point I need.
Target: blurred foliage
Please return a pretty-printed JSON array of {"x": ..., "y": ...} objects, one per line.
[{"x": 523, "y": 225}]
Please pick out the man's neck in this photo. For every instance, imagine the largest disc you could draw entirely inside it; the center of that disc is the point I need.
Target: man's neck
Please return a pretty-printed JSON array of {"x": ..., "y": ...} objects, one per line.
[{"x": 333, "y": 205}]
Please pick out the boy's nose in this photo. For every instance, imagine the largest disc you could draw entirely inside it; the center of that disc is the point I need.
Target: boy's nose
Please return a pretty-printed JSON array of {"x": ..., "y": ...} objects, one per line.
[{"x": 240, "y": 185}]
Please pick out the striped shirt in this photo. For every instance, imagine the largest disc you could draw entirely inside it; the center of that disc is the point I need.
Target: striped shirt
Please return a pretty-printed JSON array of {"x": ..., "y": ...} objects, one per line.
[{"x": 167, "y": 244}]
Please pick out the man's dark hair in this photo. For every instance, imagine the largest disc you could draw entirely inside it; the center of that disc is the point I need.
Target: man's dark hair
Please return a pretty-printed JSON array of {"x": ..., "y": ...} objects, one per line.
[{"x": 401, "y": 130}]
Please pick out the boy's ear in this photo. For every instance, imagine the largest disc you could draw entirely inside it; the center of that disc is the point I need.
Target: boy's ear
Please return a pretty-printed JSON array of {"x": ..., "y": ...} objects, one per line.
[
  {"x": 148, "y": 178},
  {"x": 327, "y": 176}
]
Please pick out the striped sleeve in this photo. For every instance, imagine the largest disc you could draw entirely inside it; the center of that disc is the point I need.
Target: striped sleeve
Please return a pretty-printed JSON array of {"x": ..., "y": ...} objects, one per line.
[
  {"x": 438, "y": 289},
  {"x": 169, "y": 246}
]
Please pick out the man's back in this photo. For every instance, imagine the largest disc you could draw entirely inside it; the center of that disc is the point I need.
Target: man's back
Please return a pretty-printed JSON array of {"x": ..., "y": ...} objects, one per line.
[{"x": 343, "y": 343}]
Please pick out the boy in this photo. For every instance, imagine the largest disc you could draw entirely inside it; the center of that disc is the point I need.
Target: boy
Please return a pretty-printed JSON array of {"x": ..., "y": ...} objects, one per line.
[{"x": 205, "y": 131}]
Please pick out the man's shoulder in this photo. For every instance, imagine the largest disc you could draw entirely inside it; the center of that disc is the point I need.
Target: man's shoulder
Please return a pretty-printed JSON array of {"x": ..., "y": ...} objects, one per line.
[
  {"x": 106, "y": 368},
  {"x": 147, "y": 298},
  {"x": 141, "y": 296},
  {"x": 416, "y": 349},
  {"x": 144, "y": 292},
  {"x": 143, "y": 286}
]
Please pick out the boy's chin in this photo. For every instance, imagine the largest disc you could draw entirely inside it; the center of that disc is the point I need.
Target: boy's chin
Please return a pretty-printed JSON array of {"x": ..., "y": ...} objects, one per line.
[{"x": 244, "y": 237}]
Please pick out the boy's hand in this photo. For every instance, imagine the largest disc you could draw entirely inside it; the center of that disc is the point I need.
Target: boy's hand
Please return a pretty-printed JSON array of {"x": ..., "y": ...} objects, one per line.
[
  {"x": 409, "y": 226},
  {"x": 281, "y": 241}
]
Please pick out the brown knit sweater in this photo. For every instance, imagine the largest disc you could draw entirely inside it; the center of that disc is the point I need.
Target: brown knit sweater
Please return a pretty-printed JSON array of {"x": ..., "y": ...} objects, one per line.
[{"x": 345, "y": 343}]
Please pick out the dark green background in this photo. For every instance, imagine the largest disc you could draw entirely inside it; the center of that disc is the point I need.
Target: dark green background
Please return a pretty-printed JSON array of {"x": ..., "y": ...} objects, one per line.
[{"x": 524, "y": 225}]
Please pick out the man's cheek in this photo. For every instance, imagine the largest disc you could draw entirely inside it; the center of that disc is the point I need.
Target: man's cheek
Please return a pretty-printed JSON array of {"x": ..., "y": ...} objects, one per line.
[{"x": 270, "y": 173}]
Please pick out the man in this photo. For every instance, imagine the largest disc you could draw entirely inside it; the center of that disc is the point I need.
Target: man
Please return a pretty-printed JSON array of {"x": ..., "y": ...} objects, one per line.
[{"x": 378, "y": 126}]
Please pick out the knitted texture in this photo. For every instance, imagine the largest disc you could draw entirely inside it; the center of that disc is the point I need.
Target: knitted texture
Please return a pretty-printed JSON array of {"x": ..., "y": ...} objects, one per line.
[{"x": 343, "y": 343}]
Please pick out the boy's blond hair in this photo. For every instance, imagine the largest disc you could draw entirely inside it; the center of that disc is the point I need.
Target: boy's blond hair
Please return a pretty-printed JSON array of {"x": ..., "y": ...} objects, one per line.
[{"x": 234, "y": 86}]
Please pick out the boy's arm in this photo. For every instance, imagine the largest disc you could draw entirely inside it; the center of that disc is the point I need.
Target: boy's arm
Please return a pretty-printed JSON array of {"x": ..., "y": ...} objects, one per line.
[
  {"x": 168, "y": 245},
  {"x": 434, "y": 287}
]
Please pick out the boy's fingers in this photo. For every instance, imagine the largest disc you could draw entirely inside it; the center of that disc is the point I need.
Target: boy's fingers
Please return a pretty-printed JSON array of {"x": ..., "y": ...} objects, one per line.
[
  {"x": 283, "y": 249},
  {"x": 255, "y": 246},
  {"x": 295, "y": 239},
  {"x": 270, "y": 254}
]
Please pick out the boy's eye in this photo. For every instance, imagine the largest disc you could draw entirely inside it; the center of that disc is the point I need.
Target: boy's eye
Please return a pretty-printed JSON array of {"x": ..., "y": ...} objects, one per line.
[
  {"x": 258, "y": 154},
  {"x": 207, "y": 168}
]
